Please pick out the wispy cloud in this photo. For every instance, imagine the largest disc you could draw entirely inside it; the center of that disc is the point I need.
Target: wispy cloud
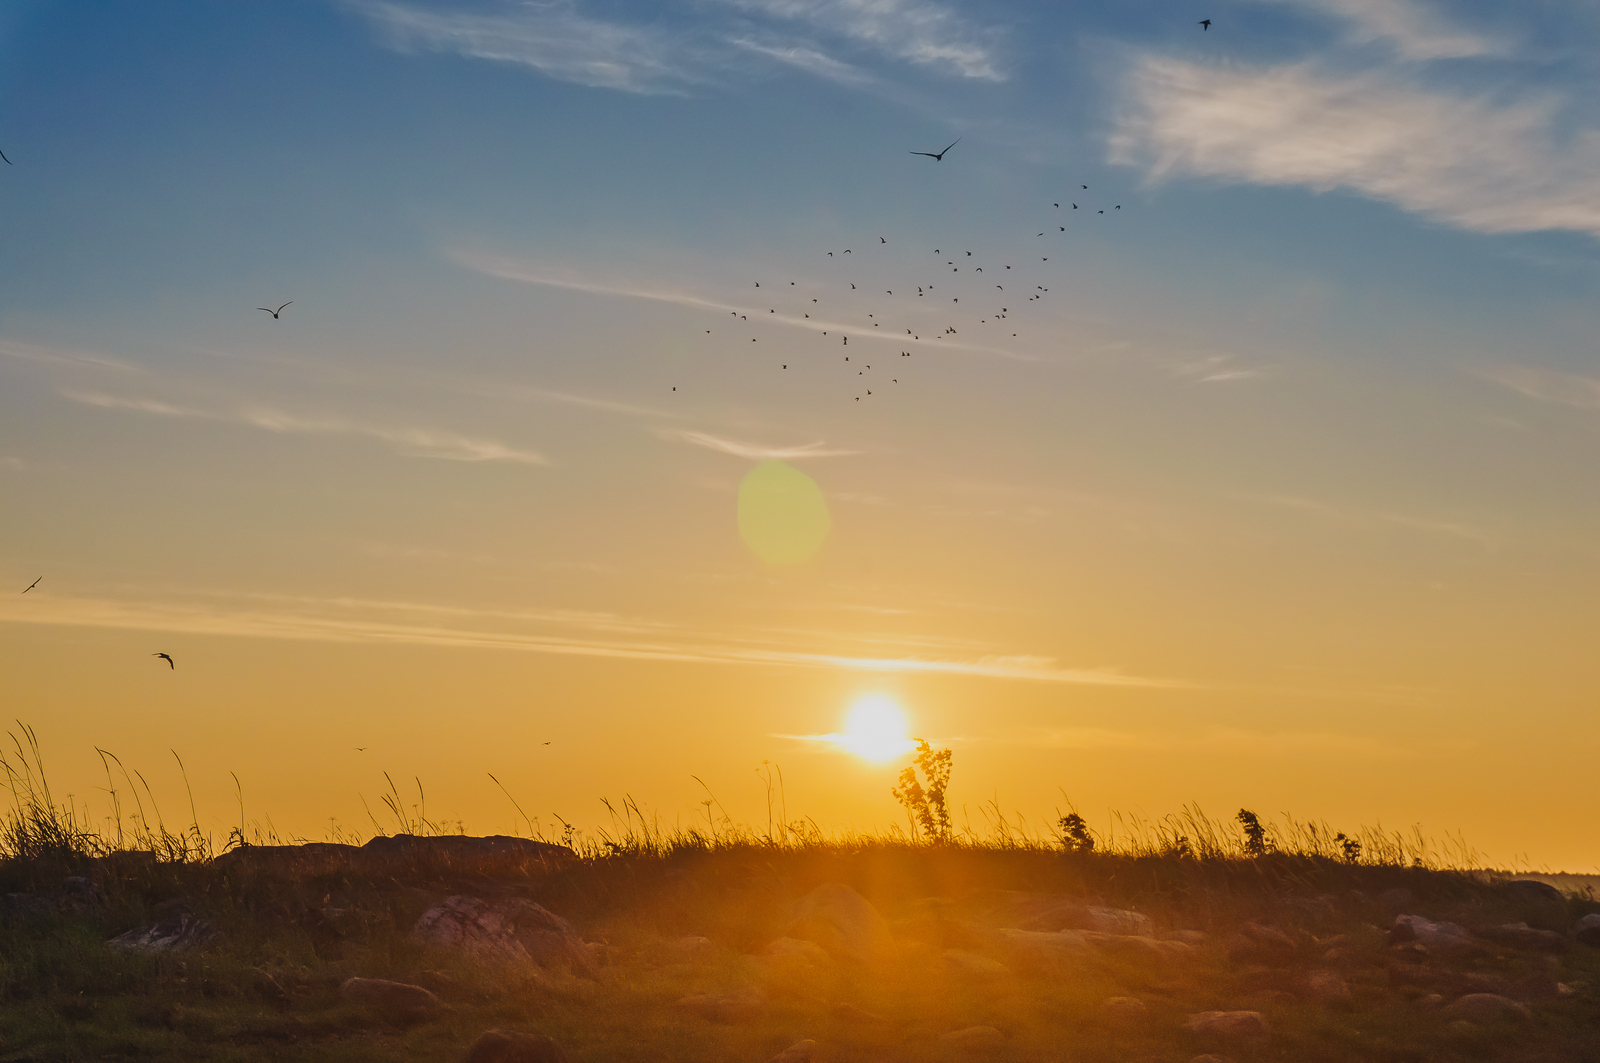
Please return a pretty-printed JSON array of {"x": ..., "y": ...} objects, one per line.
[
  {"x": 525, "y": 273},
  {"x": 551, "y": 37},
  {"x": 757, "y": 451},
  {"x": 1381, "y": 517},
  {"x": 671, "y": 56},
  {"x": 917, "y": 31},
  {"x": 1483, "y": 163},
  {"x": 59, "y": 357},
  {"x": 528, "y": 631},
  {"x": 1546, "y": 385},
  {"x": 420, "y": 442},
  {"x": 1414, "y": 30}
]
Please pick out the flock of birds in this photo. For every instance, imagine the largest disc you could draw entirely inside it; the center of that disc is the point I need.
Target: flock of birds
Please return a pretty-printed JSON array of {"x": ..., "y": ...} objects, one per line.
[
  {"x": 988, "y": 296},
  {"x": 876, "y": 306}
]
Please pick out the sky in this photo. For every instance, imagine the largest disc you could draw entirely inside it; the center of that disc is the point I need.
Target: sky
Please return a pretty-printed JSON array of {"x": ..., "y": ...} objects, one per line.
[{"x": 1215, "y": 423}]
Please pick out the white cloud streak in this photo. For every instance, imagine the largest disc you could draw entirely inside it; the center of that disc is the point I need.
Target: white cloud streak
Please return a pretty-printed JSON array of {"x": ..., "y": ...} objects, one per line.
[
  {"x": 1414, "y": 31},
  {"x": 1566, "y": 389},
  {"x": 414, "y": 624},
  {"x": 913, "y": 30},
  {"x": 1469, "y": 160},
  {"x": 758, "y": 451},
  {"x": 418, "y": 442}
]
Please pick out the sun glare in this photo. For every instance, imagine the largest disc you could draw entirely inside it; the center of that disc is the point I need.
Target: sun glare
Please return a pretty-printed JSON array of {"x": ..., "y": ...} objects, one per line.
[{"x": 875, "y": 729}]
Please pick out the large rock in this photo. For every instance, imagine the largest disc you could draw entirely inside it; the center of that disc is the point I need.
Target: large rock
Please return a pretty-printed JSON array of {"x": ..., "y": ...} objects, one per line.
[
  {"x": 842, "y": 921},
  {"x": 1137, "y": 947},
  {"x": 517, "y": 929},
  {"x": 1523, "y": 936},
  {"x": 326, "y": 857},
  {"x": 1482, "y": 1007},
  {"x": 1044, "y": 951},
  {"x": 793, "y": 952},
  {"x": 741, "y": 1006},
  {"x": 395, "y": 1001},
  {"x": 972, "y": 965},
  {"x": 1327, "y": 987},
  {"x": 457, "y": 846},
  {"x": 1124, "y": 1010},
  {"x": 799, "y": 1052},
  {"x": 513, "y": 1046},
  {"x": 1230, "y": 1024},
  {"x": 1259, "y": 943},
  {"x": 176, "y": 929},
  {"x": 1034, "y": 911},
  {"x": 1443, "y": 938},
  {"x": 1588, "y": 929}
]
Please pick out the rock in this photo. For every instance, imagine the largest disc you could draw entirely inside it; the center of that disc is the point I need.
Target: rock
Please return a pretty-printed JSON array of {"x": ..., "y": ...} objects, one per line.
[
  {"x": 692, "y": 949},
  {"x": 81, "y": 892},
  {"x": 1534, "y": 987},
  {"x": 395, "y": 1001},
  {"x": 842, "y": 921},
  {"x": 933, "y": 921},
  {"x": 1231, "y": 1024},
  {"x": 1267, "y": 998},
  {"x": 1043, "y": 951},
  {"x": 457, "y": 846},
  {"x": 971, "y": 965},
  {"x": 851, "y": 1013},
  {"x": 1262, "y": 944},
  {"x": 1191, "y": 937},
  {"x": 175, "y": 930},
  {"x": 1327, "y": 987},
  {"x": 726, "y": 1007},
  {"x": 1124, "y": 1009},
  {"x": 1531, "y": 890},
  {"x": 1523, "y": 936},
  {"x": 513, "y": 1046},
  {"x": 1483, "y": 1007},
  {"x": 974, "y": 1038},
  {"x": 1431, "y": 1001},
  {"x": 799, "y": 1052},
  {"x": 792, "y": 952},
  {"x": 1132, "y": 946},
  {"x": 516, "y": 928},
  {"x": 1060, "y": 912},
  {"x": 1118, "y": 921},
  {"x": 1588, "y": 929},
  {"x": 26, "y": 906},
  {"x": 1443, "y": 938}
]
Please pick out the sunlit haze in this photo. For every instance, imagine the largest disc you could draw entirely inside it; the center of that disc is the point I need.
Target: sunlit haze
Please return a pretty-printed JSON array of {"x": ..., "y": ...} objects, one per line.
[{"x": 1216, "y": 422}]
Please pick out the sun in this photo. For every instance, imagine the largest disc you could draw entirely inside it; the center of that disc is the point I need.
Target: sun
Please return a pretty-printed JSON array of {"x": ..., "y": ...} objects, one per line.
[{"x": 875, "y": 730}]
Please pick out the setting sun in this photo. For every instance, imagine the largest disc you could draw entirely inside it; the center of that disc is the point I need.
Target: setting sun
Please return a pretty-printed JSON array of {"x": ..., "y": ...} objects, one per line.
[{"x": 876, "y": 729}]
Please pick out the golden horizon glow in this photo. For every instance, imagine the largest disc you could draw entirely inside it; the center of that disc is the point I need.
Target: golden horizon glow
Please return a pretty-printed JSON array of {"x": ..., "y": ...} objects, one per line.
[{"x": 875, "y": 729}]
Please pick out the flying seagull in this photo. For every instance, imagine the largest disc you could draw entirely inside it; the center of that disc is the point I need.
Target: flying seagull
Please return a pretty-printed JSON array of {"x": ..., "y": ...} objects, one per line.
[
  {"x": 1206, "y": 23},
  {"x": 276, "y": 312},
  {"x": 939, "y": 157},
  {"x": 167, "y": 658},
  {"x": 3, "y": 156},
  {"x": 31, "y": 586}
]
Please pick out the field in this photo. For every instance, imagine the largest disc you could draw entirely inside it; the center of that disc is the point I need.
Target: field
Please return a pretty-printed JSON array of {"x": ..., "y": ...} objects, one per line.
[{"x": 732, "y": 944}]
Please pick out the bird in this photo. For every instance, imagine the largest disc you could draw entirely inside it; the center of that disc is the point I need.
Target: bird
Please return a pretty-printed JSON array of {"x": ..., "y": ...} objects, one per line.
[
  {"x": 168, "y": 658},
  {"x": 881, "y": 240},
  {"x": 3, "y": 156},
  {"x": 31, "y": 586},
  {"x": 276, "y": 312},
  {"x": 1206, "y": 23},
  {"x": 939, "y": 157},
  {"x": 360, "y": 749}
]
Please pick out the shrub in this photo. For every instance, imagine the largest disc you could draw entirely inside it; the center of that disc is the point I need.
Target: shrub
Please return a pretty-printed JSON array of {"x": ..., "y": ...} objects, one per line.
[{"x": 925, "y": 804}]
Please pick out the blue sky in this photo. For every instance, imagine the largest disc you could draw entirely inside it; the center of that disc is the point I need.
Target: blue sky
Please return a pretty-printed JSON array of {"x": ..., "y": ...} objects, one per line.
[{"x": 1289, "y": 459}]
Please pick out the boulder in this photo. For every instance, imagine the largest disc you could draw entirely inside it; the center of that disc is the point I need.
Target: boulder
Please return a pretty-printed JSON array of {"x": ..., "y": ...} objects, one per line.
[
  {"x": 1230, "y": 1024},
  {"x": 516, "y": 929},
  {"x": 691, "y": 949},
  {"x": 799, "y": 1052},
  {"x": 842, "y": 921},
  {"x": 1190, "y": 937},
  {"x": 1523, "y": 936},
  {"x": 1327, "y": 987},
  {"x": 793, "y": 952},
  {"x": 1137, "y": 947},
  {"x": 456, "y": 846},
  {"x": 1431, "y": 1001},
  {"x": 974, "y": 1038},
  {"x": 395, "y": 1001},
  {"x": 1443, "y": 938},
  {"x": 1259, "y": 943},
  {"x": 1043, "y": 951},
  {"x": 971, "y": 965},
  {"x": 175, "y": 930},
  {"x": 513, "y": 1046},
  {"x": 1484, "y": 1007},
  {"x": 1125, "y": 1010},
  {"x": 1033, "y": 911},
  {"x": 741, "y": 1006},
  {"x": 1588, "y": 929}
]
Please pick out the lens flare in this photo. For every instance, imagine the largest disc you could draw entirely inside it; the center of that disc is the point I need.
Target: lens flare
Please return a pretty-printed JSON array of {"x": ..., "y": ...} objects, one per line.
[{"x": 875, "y": 730}]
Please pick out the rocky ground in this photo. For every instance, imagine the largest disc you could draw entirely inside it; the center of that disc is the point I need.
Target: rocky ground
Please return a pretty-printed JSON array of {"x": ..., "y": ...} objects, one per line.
[{"x": 509, "y": 950}]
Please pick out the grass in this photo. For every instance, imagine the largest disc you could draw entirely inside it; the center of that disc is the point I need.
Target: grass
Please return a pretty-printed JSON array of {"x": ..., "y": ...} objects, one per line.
[{"x": 292, "y": 926}]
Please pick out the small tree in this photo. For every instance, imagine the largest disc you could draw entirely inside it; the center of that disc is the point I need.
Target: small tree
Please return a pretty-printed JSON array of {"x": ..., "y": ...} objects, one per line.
[
  {"x": 1075, "y": 836},
  {"x": 1255, "y": 835},
  {"x": 924, "y": 802}
]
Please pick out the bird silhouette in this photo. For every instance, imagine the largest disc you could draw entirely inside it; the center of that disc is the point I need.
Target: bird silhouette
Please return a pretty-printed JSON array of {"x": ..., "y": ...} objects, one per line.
[
  {"x": 3, "y": 156},
  {"x": 1206, "y": 24},
  {"x": 939, "y": 157},
  {"x": 31, "y": 586},
  {"x": 276, "y": 312},
  {"x": 360, "y": 749},
  {"x": 168, "y": 658}
]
